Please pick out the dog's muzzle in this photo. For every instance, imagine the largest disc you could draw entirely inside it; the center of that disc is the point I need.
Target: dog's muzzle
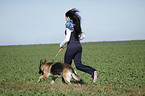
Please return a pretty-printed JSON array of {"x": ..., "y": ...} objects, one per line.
[{"x": 41, "y": 72}]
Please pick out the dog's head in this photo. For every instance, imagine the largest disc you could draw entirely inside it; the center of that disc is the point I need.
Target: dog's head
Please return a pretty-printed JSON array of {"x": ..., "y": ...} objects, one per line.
[{"x": 41, "y": 63}]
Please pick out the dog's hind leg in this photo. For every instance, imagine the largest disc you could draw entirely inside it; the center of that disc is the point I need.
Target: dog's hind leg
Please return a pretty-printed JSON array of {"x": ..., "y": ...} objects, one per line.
[
  {"x": 76, "y": 77},
  {"x": 67, "y": 77},
  {"x": 53, "y": 79}
]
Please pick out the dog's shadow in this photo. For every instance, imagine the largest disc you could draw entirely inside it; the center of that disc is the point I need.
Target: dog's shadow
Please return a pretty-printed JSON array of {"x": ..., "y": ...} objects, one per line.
[{"x": 76, "y": 82}]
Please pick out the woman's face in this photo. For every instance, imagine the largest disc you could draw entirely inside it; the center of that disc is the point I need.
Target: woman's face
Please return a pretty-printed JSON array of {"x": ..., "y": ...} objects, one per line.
[{"x": 67, "y": 18}]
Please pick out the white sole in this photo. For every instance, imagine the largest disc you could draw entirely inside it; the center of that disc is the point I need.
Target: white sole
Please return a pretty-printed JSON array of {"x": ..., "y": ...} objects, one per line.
[{"x": 95, "y": 77}]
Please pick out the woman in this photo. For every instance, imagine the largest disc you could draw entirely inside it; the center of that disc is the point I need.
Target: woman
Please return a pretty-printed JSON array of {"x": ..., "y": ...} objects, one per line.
[{"x": 74, "y": 34}]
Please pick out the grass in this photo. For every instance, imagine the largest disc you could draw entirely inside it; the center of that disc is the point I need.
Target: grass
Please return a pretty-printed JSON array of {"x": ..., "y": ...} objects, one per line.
[{"x": 120, "y": 66}]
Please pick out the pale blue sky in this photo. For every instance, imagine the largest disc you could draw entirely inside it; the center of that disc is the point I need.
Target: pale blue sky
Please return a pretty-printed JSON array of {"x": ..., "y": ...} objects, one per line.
[{"x": 43, "y": 21}]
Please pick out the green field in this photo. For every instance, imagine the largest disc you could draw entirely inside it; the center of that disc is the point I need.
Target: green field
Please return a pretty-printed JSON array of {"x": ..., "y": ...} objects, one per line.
[{"x": 120, "y": 66}]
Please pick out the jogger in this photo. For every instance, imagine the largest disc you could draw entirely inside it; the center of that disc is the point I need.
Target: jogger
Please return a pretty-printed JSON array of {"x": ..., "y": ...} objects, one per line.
[{"x": 74, "y": 34}]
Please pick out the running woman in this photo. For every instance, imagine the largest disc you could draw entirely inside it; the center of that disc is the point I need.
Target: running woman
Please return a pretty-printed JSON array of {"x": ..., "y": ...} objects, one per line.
[{"x": 74, "y": 34}]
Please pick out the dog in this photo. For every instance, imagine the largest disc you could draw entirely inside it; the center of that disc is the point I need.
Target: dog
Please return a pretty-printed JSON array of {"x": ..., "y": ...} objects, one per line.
[{"x": 57, "y": 69}]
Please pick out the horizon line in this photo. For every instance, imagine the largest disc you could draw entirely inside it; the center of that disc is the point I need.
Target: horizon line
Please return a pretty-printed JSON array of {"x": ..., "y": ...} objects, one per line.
[{"x": 58, "y": 43}]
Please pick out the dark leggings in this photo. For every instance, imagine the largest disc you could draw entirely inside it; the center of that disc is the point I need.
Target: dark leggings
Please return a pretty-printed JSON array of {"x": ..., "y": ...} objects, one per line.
[{"x": 75, "y": 54}]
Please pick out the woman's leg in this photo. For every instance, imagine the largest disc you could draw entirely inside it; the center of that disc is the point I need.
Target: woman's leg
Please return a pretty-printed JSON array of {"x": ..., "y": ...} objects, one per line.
[
  {"x": 68, "y": 56},
  {"x": 80, "y": 66}
]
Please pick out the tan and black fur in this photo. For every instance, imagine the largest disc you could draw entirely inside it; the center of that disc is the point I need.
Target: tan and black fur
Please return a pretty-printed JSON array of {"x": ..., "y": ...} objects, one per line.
[{"x": 57, "y": 69}]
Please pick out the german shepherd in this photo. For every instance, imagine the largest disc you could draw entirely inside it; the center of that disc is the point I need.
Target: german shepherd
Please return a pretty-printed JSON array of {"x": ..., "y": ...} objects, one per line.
[{"x": 57, "y": 69}]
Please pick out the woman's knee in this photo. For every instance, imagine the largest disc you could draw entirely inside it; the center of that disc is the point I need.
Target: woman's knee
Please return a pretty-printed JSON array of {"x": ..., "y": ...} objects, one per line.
[{"x": 79, "y": 66}]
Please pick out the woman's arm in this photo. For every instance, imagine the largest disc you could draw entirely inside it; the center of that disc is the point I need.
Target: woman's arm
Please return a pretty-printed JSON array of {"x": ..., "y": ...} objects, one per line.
[
  {"x": 82, "y": 36},
  {"x": 67, "y": 38}
]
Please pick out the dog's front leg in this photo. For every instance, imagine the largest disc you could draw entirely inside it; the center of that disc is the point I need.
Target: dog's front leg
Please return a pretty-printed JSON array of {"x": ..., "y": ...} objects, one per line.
[
  {"x": 41, "y": 78},
  {"x": 53, "y": 79}
]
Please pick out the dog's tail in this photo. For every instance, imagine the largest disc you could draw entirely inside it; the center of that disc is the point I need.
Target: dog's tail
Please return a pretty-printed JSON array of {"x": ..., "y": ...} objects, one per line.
[{"x": 76, "y": 77}]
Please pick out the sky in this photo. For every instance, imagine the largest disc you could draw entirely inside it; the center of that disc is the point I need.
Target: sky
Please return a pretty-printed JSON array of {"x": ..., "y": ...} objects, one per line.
[{"x": 43, "y": 21}]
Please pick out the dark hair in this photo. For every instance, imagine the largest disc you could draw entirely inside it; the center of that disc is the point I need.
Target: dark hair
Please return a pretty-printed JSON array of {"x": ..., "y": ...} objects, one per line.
[{"x": 72, "y": 14}]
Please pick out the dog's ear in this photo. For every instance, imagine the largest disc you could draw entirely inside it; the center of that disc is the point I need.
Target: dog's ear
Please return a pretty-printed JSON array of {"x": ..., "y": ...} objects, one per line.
[
  {"x": 41, "y": 62},
  {"x": 45, "y": 61}
]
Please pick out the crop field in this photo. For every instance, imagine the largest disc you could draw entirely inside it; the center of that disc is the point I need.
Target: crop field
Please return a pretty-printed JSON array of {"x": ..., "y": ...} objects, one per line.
[{"x": 120, "y": 66}]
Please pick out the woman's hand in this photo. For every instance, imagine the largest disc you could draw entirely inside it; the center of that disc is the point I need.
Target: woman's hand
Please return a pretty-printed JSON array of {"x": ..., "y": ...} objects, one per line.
[{"x": 61, "y": 48}]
